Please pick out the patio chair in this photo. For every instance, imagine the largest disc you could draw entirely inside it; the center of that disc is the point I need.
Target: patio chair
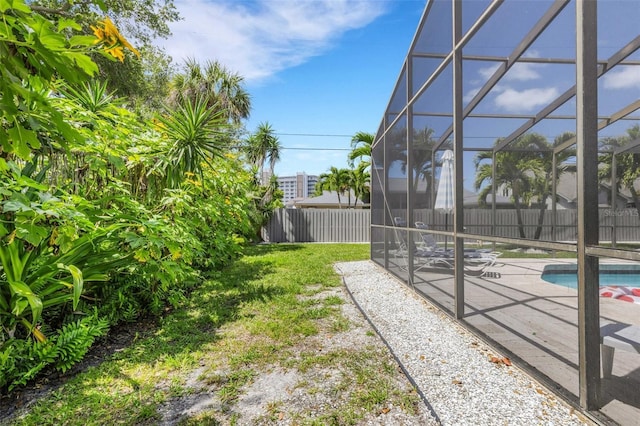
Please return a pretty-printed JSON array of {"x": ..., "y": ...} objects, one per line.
[
  {"x": 402, "y": 248},
  {"x": 399, "y": 221},
  {"x": 422, "y": 249},
  {"x": 428, "y": 243},
  {"x": 625, "y": 337},
  {"x": 476, "y": 261}
]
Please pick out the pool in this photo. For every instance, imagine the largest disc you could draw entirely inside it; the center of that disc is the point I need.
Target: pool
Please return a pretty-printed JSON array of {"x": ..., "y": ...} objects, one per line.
[{"x": 616, "y": 275}]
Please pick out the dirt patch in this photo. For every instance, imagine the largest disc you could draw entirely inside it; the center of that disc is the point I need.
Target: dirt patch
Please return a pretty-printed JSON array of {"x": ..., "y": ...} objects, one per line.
[
  {"x": 277, "y": 394},
  {"x": 289, "y": 396}
]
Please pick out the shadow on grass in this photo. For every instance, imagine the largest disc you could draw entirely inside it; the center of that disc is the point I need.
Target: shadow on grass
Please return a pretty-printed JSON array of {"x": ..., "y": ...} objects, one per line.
[
  {"x": 216, "y": 302},
  {"x": 262, "y": 249},
  {"x": 160, "y": 362},
  {"x": 167, "y": 345}
]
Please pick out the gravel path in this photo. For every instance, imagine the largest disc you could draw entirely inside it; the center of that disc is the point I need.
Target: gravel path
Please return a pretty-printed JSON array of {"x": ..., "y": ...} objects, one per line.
[{"x": 456, "y": 373}]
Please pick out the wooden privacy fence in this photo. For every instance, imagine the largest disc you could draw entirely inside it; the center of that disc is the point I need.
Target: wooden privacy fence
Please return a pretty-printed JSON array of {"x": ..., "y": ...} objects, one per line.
[
  {"x": 318, "y": 225},
  {"x": 349, "y": 225},
  {"x": 479, "y": 221}
]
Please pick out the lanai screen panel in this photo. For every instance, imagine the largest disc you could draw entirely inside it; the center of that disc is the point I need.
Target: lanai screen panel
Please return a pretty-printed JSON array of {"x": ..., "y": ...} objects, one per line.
[{"x": 520, "y": 186}]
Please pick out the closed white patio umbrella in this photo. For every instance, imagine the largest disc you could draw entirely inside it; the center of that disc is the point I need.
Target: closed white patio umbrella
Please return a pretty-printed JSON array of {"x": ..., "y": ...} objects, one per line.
[{"x": 444, "y": 196}]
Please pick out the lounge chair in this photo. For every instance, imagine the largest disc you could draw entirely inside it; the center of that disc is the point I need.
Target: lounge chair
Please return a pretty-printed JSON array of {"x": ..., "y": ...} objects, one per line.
[
  {"x": 430, "y": 255},
  {"x": 399, "y": 221},
  {"x": 625, "y": 337},
  {"x": 475, "y": 263}
]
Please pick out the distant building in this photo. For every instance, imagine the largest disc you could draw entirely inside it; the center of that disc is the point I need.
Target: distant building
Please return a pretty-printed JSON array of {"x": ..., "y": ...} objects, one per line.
[{"x": 299, "y": 186}]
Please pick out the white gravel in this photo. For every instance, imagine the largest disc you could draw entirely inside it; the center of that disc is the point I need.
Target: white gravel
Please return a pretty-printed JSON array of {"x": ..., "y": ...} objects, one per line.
[{"x": 451, "y": 368}]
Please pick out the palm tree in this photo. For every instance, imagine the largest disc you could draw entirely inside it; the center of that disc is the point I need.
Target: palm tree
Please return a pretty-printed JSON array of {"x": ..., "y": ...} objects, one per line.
[
  {"x": 543, "y": 182},
  {"x": 421, "y": 151},
  {"x": 336, "y": 180},
  {"x": 263, "y": 147},
  {"x": 361, "y": 144},
  {"x": 260, "y": 148},
  {"x": 516, "y": 170},
  {"x": 627, "y": 164},
  {"x": 192, "y": 130},
  {"x": 220, "y": 88},
  {"x": 359, "y": 182}
]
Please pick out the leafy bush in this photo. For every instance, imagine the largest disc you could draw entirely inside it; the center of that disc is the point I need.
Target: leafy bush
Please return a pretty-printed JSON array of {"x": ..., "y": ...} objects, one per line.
[
  {"x": 102, "y": 214},
  {"x": 22, "y": 359},
  {"x": 49, "y": 251}
]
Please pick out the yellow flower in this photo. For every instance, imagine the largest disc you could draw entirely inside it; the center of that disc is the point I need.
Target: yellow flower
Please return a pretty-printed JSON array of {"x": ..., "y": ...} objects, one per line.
[
  {"x": 110, "y": 28},
  {"x": 98, "y": 33},
  {"x": 116, "y": 52},
  {"x": 114, "y": 42}
]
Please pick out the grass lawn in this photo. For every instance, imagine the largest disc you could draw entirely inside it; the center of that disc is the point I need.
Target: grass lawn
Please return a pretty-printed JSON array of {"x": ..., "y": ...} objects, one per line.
[{"x": 240, "y": 321}]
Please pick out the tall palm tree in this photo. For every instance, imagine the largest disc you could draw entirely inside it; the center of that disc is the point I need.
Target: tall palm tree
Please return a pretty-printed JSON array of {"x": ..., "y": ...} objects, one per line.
[
  {"x": 220, "y": 88},
  {"x": 516, "y": 170},
  {"x": 421, "y": 151},
  {"x": 527, "y": 172},
  {"x": 263, "y": 147},
  {"x": 361, "y": 144},
  {"x": 543, "y": 181},
  {"x": 628, "y": 164}
]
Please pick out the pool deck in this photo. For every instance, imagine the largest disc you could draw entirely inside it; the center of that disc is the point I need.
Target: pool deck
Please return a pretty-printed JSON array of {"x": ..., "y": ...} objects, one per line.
[{"x": 537, "y": 322}]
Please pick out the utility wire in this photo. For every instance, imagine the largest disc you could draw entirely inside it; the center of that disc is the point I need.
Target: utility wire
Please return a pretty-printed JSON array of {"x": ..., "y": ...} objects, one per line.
[
  {"x": 301, "y": 148},
  {"x": 317, "y": 149},
  {"x": 314, "y": 134}
]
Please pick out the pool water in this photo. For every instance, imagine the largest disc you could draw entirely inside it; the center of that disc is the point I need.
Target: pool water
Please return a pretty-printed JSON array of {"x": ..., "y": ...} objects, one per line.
[{"x": 619, "y": 275}]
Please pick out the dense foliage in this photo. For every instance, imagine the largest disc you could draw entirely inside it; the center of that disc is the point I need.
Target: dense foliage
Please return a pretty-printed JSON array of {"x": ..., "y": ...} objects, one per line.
[
  {"x": 105, "y": 216},
  {"x": 142, "y": 78}
]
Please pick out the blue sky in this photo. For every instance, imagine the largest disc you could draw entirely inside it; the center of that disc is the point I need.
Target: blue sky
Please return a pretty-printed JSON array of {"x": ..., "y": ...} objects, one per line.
[
  {"x": 312, "y": 67},
  {"x": 317, "y": 68}
]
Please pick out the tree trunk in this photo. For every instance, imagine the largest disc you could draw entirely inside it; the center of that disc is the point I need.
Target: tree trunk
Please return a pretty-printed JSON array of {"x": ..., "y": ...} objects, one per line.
[
  {"x": 543, "y": 209},
  {"x": 426, "y": 194},
  {"x": 516, "y": 201}
]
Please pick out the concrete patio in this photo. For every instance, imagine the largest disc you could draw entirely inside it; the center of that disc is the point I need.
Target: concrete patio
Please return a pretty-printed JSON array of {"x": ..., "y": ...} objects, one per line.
[{"x": 536, "y": 322}]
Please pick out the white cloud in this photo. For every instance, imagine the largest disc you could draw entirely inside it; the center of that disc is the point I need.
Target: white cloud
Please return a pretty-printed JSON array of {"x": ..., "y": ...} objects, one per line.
[
  {"x": 470, "y": 94},
  {"x": 525, "y": 71},
  {"x": 258, "y": 39},
  {"x": 624, "y": 78},
  {"x": 525, "y": 100},
  {"x": 487, "y": 72},
  {"x": 520, "y": 71}
]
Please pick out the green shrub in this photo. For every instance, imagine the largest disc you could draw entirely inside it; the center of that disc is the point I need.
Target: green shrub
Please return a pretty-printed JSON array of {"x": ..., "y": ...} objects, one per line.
[
  {"x": 22, "y": 359},
  {"x": 101, "y": 213}
]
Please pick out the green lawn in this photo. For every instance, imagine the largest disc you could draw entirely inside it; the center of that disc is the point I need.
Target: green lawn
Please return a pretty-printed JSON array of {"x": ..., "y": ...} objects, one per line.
[{"x": 239, "y": 321}]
